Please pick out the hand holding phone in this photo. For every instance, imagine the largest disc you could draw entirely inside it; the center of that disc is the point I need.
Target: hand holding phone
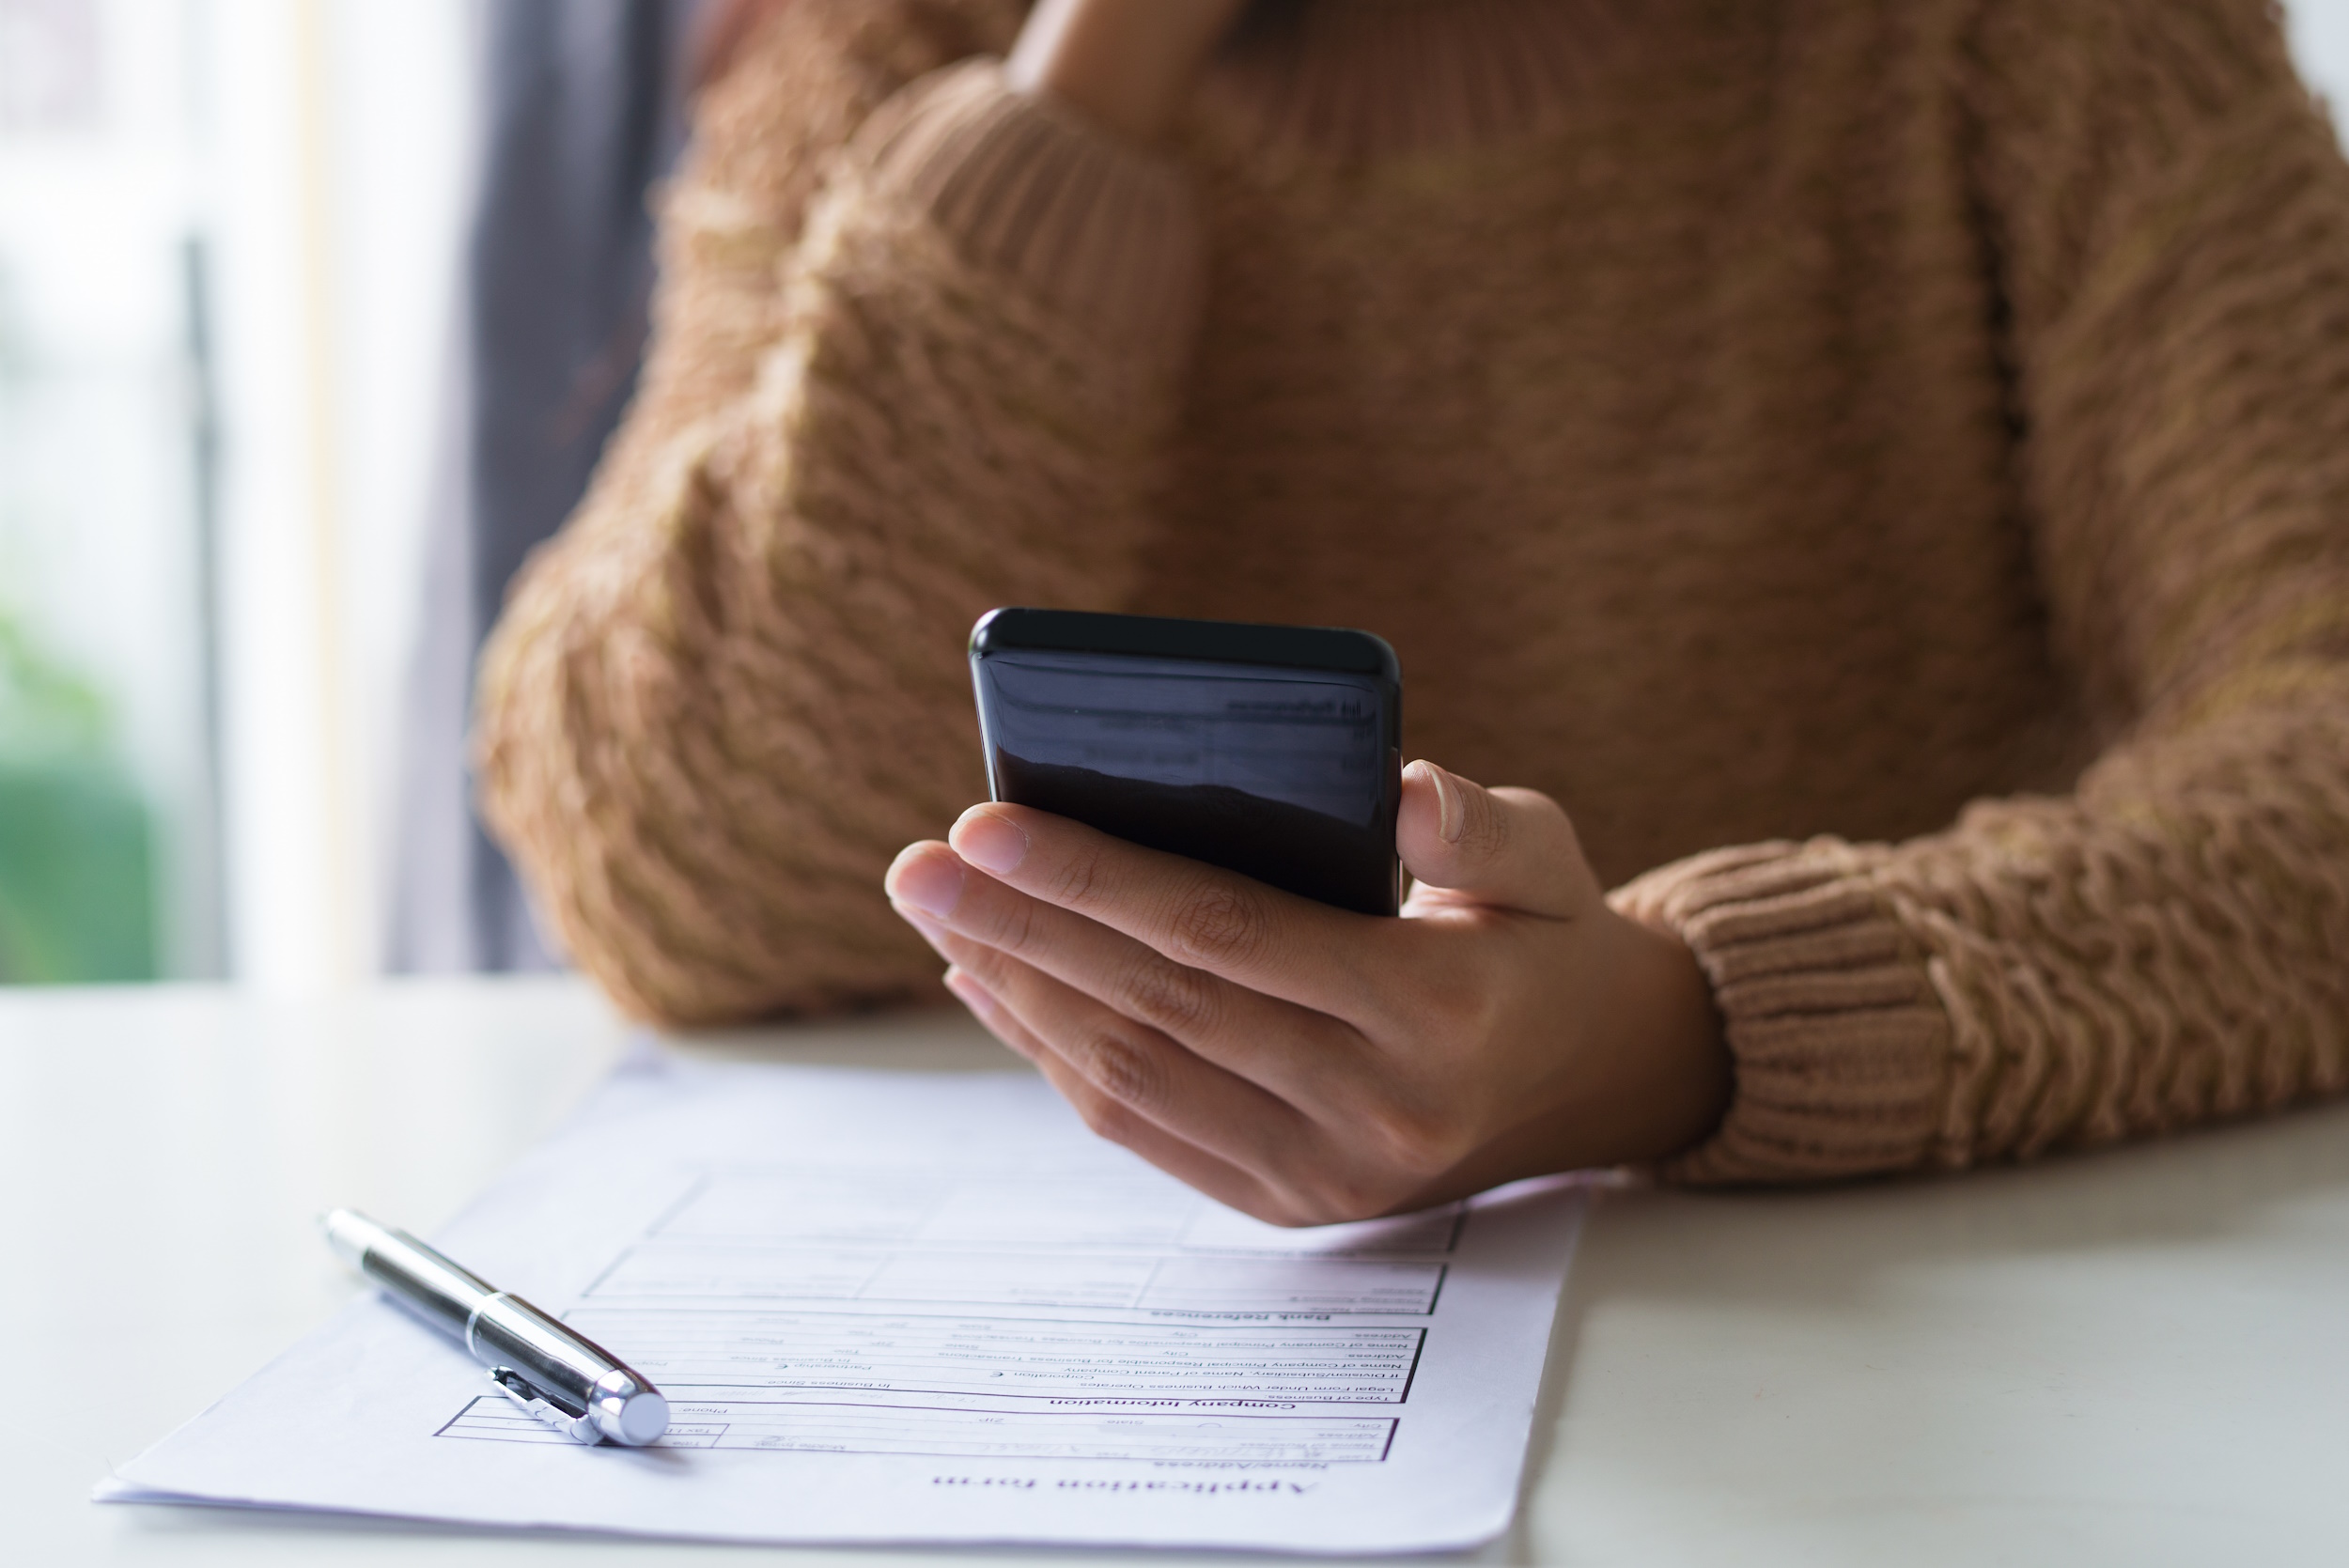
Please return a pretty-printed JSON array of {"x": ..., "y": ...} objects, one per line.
[{"x": 1308, "y": 1063}]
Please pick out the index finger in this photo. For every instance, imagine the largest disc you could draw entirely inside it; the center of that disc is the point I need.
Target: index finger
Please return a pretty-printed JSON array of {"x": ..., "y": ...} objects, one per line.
[{"x": 1229, "y": 925}]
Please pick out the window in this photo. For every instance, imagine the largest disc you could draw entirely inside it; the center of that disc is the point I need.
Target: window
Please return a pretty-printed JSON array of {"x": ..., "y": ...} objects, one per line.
[
  {"x": 109, "y": 767},
  {"x": 227, "y": 239}
]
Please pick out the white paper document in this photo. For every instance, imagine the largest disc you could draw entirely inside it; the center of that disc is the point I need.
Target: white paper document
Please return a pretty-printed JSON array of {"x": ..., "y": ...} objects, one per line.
[{"x": 905, "y": 1307}]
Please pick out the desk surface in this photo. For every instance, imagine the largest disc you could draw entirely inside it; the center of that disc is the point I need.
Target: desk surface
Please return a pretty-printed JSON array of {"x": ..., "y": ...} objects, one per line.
[{"x": 2136, "y": 1358}]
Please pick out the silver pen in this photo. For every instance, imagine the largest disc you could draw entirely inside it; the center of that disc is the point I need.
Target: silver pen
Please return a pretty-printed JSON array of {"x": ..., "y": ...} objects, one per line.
[{"x": 572, "y": 1384}]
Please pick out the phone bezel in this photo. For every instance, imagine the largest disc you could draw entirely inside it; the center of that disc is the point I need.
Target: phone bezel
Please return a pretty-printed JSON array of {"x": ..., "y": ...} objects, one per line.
[{"x": 1337, "y": 649}]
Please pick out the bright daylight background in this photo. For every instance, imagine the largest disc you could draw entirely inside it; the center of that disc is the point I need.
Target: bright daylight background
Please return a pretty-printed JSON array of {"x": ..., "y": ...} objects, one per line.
[{"x": 229, "y": 234}]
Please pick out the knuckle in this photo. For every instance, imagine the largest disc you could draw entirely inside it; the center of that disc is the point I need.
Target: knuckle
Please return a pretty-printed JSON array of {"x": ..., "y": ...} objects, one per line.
[
  {"x": 1170, "y": 998},
  {"x": 1015, "y": 927},
  {"x": 1220, "y": 924},
  {"x": 1077, "y": 875},
  {"x": 1485, "y": 833},
  {"x": 1125, "y": 1070}
]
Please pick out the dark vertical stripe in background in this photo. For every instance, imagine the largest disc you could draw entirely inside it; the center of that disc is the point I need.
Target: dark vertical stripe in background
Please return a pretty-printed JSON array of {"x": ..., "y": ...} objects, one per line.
[{"x": 581, "y": 113}]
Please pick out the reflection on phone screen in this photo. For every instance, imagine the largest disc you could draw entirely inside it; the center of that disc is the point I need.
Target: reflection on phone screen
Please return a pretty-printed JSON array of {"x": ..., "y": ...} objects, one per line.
[{"x": 1274, "y": 773}]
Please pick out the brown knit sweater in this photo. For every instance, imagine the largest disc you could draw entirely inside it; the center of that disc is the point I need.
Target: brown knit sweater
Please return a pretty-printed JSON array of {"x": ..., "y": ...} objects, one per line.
[{"x": 1902, "y": 442}]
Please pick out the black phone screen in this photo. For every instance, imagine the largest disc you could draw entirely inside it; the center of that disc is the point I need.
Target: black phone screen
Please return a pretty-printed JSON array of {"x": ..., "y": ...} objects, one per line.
[{"x": 1285, "y": 771}]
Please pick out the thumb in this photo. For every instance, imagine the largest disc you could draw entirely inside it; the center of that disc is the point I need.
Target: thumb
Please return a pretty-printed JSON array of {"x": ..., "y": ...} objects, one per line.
[{"x": 1510, "y": 847}]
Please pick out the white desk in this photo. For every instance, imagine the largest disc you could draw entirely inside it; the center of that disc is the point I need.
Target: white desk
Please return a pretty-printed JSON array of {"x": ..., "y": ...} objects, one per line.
[{"x": 2141, "y": 1358}]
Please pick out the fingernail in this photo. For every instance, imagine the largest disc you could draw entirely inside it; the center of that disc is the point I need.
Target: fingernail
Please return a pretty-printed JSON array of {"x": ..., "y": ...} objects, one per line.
[
  {"x": 929, "y": 882},
  {"x": 988, "y": 842},
  {"x": 969, "y": 992},
  {"x": 1451, "y": 809}
]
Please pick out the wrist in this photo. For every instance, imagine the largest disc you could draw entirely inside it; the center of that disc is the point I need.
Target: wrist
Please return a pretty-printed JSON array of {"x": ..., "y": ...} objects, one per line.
[
  {"x": 1644, "y": 1070},
  {"x": 1643, "y": 1075},
  {"x": 1668, "y": 1051}
]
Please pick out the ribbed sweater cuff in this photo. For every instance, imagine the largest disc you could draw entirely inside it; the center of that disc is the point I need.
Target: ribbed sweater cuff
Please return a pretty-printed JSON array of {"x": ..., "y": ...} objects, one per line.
[
  {"x": 1841, "y": 1047},
  {"x": 1099, "y": 230}
]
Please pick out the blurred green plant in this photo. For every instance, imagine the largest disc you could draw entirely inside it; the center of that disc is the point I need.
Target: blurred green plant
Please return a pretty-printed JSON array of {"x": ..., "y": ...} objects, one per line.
[{"x": 77, "y": 862}]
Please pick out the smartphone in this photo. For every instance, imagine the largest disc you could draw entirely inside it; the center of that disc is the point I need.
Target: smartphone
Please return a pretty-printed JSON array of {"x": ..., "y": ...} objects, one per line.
[{"x": 1272, "y": 751}]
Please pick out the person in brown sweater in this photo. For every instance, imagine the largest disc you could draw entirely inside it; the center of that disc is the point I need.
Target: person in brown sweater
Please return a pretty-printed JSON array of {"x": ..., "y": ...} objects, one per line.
[{"x": 1882, "y": 466}]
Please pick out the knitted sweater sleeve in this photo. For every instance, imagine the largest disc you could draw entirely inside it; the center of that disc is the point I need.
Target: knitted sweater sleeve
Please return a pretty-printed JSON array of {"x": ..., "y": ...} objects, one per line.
[
  {"x": 2167, "y": 945},
  {"x": 916, "y": 343}
]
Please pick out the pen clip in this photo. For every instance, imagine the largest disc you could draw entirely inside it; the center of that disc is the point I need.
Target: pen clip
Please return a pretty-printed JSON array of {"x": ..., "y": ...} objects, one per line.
[{"x": 545, "y": 1406}]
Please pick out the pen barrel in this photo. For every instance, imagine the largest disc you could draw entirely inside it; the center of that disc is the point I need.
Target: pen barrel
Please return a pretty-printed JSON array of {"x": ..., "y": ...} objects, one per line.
[
  {"x": 418, "y": 1276},
  {"x": 429, "y": 1285}
]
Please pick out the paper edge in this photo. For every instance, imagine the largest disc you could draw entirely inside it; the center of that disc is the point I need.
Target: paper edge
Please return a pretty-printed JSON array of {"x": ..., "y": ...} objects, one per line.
[{"x": 115, "y": 1491}]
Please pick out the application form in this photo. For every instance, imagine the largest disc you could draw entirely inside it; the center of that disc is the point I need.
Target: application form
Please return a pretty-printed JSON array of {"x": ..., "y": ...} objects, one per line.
[{"x": 905, "y": 1307}]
